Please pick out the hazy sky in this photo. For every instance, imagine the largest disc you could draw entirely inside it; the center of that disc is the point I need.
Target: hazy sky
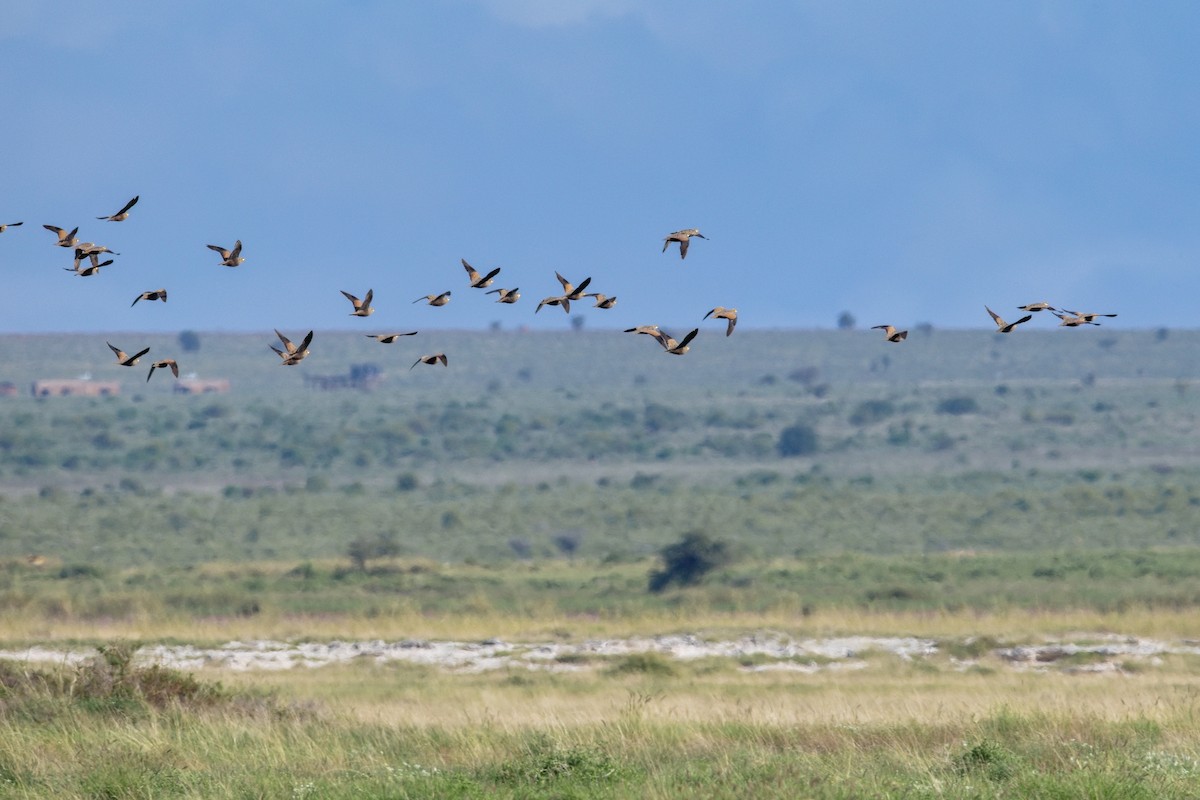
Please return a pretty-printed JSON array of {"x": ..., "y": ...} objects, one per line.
[{"x": 906, "y": 161}]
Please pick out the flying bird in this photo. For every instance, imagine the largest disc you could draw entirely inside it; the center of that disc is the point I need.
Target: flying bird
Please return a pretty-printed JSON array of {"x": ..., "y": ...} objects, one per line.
[
  {"x": 890, "y": 333},
  {"x": 677, "y": 348},
  {"x": 124, "y": 359},
  {"x": 572, "y": 292},
  {"x": 65, "y": 238},
  {"x": 231, "y": 257},
  {"x": 1073, "y": 320},
  {"x": 1088, "y": 318},
  {"x": 435, "y": 299},
  {"x": 90, "y": 251},
  {"x": 682, "y": 237},
  {"x": 166, "y": 363},
  {"x": 362, "y": 308},
  {"x": 433, "y": 359},
  {"x": 479, "y": 281},
  {"x": 291, "y": 354},
  {"x": 506, "y": 295},
  {"x": 602, "y": 300},
  {"x": 388, "y": 338},
  {"x": 8, "y": 225},
  {"x": 1006, "y": 327},
  {"x": 88, "y": 271},
  {"x": 561, "y": 300},
  {"x": 123, "y": 214},
  {"x": 153, "y": 294},
  {"x": 1037, "y": 307},
  {"x": 649, "y": 330},
  {"x": 730, "y": 314}
]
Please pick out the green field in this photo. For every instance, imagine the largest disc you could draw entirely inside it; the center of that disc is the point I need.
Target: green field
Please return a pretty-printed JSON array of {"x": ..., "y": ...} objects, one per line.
[{"x": 962, "y": 486}]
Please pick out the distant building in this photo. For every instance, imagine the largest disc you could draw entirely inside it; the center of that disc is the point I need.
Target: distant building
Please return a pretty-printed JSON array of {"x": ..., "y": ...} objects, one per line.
[
  {"x": 202, "y": 386},
  {"x": 75, "y": 387}
]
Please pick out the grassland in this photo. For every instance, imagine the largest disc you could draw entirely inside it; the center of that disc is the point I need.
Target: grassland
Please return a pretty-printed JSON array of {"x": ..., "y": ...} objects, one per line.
[{"x": 963, "y": 486}]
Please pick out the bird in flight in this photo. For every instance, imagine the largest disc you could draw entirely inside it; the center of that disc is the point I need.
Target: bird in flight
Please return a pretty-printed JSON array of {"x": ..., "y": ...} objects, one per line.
[
  {"x": 506, "y": 295},
  {"x": 8, "y": 225},
  {"x": 479, "y": 281},
  {"x": 291, "y": 354},
  {"x": 65, "y": 238},
  {"x": 433, "y": 359},
  {"x": 362, "y": 308},
  {"x": 88, "y": 271},
  {"x": 1006, "y": 327},
  {"x": 388, "y": 338},
  {"x": 1088, "y": 318},
  {"x": 124, "y": 359},
  {"x": 1070, "y": 319},
  {"x": 602, "y": 300},
  {"x": 730, "y": 314},
  {"x": 561, "y": 300},
  {"x": 435, "y": 299},
  {"x": 123, "y": 214},
  {"x": 890, "y": 333},
  {"x": 153, "y": 294},
  {"x": 682, "y": 237},
  {"x": 676, "y": 348},
  {"x": 570, "y": 291},
  {"x": 231, "y": 257},
  {"x": 1037, "y": 307},
  {"x": 649, "y": 330},
  {"x": 166, "y": 363}
]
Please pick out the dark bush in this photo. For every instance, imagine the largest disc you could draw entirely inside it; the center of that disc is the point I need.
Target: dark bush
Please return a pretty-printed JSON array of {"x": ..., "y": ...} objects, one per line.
[
  {"x": 871, "y": 411},
  {"x": 797, "y": 440},
  {"x": 689, "y": 560},
  {"x": 958, "y": 405}
]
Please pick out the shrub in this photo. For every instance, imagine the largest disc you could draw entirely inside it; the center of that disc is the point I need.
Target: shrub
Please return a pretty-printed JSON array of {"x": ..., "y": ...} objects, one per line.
[
  {"x": 363, "y": 548},
  {"x": 797, "y": 440},
  {"x": 871, "y": 411},
  {"x": 958, "y": 405},
  {"x": 687, "y": 561}
]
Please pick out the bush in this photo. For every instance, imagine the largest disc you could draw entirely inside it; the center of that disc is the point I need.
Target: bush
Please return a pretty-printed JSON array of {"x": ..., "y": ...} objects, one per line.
[
  {"x": 958, "y": 405},
  {"x": 871, "y": 411},
  {"x": 797, "y": 440},
  {"x": 689, "y": 560}
]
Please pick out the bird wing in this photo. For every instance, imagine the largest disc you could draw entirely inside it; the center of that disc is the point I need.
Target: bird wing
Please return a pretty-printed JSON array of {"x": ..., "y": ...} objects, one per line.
[
  {"x": 732, "y": 325},
  {"x": 683, "y": 246},
  {"x": 566, "y": 284},
  {"x": 170, "y": 362},
  {"x": 128, "y": 205},
  {"x": 138, "y": 355},
  {"x": 307, "y": 341},
  {"x": 491, "y": 275},
  {"x": 995, "y": 317},
  {"x": 287, "y": 343},
  {"x": 120, "y": 353},
  {"x": 689, "y": 337},
  {"x": 237, "y": 249},
  {"x": 224, "y": 253}
]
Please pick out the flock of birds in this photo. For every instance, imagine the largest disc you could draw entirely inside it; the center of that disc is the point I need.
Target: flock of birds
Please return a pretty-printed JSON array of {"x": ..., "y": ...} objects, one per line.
[{"x": 87, "y": 263}]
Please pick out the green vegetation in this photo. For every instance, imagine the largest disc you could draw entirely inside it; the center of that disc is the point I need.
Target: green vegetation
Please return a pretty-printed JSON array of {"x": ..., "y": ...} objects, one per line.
[{"x": 941, "y": 488}]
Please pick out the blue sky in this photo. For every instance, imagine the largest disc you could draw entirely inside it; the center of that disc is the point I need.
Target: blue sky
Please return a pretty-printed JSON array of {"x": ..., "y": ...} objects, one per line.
[{"x": 908, "y": 162}]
